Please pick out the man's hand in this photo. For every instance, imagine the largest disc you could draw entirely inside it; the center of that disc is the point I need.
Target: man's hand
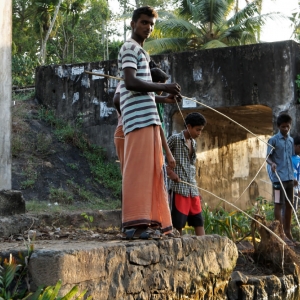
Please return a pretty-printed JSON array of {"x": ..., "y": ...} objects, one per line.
[
  {"x": 172, "y": 88},
  {"x": 172, "y": 175},
  {"x": 295, "y": 182}
]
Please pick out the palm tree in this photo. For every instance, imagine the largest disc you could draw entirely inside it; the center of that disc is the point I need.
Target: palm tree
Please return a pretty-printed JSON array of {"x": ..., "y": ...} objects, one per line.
[{"x": 202, "y": 24}]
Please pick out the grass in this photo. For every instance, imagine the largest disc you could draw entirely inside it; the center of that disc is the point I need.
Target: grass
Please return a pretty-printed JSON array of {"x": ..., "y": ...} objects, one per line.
[
  {"x": 36, "y": 206},
  {"x": 104, "y": 171}
]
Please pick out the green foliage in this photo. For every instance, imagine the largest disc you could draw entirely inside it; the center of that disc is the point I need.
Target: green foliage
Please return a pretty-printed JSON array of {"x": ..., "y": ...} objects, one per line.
[
  {"x": 234, "y": 224},
  {"x": 12, "y": 274},
  {"x": 23, "y": 70},
  {"x": 60, "y": 195},
  {"x": 90, "y": 219},
  {"x": 104, "y": 171},
  {"x": 73, "y": 166},
  {"x": 51, "y": 293},
  {"x": 207, "y": 24}
]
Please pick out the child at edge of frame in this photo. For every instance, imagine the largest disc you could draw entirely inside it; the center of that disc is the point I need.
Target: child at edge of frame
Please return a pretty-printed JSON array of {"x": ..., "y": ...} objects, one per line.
[
  {"x": 185, "y": 199},
  {"x": 281, "y": 150}
]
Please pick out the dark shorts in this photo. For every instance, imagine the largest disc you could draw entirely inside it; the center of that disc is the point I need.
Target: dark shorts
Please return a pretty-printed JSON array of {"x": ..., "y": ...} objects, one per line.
[
  {"x": 279, "y": 195},
  {"x": 186, "y": 209}
]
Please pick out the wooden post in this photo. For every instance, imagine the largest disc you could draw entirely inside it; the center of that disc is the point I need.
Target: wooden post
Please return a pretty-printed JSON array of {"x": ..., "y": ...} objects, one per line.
[{"x": 5, "y": 93}]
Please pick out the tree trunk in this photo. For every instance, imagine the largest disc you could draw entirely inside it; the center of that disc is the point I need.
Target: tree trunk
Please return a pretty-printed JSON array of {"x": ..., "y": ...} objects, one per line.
[
  {"x": 42, "y": 56},
  {"x": 5, "y": 93}
]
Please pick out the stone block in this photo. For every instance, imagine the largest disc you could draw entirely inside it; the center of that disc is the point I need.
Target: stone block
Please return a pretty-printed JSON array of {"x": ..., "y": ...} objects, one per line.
[{"x": 11, "y": 203}]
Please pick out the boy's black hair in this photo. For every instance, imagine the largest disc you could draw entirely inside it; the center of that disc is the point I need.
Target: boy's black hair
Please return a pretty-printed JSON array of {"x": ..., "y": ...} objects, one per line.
[
  {"x": 283, "y": 118},
  {"x": 144, "y": 10},
  {"x": 158, "y": 75},
  {"x": 195, "y": 119},
  {"x": 297, "y": 140}
]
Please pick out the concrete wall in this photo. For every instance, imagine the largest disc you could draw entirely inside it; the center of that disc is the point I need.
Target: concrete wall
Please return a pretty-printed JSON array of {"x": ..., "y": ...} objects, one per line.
[
  {"x": 5, "y": 94},
  {"x": 251, "y": 84}
]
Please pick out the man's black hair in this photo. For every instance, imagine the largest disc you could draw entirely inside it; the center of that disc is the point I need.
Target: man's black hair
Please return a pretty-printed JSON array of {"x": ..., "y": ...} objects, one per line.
[
  {"x": 195, "y": 119},
  {"x": 297, "y": 140},
  {"x": 283, "y": 118},
  {"x": 145, "y": 10},
  {"x": 158, "y": 75}
]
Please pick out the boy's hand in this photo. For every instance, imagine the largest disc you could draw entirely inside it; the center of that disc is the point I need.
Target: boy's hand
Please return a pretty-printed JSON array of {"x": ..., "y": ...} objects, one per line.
[
  {"x": 295, "y": 182},
  {"x": 171, "y": 98},
  {"x": 273, "y": 167},
  {"x": 171, "y": 160}
]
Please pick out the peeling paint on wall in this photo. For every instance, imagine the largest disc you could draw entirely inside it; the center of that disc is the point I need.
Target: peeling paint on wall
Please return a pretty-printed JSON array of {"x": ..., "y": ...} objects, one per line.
[
  {"x": 77, "y": 70},
  {"x": 75, "y": 97},
  {"x": 197, "y": 74},
  {"x": 98, "y": 71},
  {"x": 61, "y": 72},
  {"x": 95, "y": 101},
  {"x": 188, "y": 103},
  {"x": 104, "y": 110},
  {"x": 85, "y": 81}
]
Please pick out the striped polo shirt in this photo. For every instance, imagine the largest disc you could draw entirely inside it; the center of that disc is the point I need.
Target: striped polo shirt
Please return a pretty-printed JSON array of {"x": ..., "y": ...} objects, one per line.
[{"x": 138, "y": 108}]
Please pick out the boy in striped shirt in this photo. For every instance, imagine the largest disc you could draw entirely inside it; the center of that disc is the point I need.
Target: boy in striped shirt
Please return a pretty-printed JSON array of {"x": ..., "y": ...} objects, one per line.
[{"x": 145, "y": 211}]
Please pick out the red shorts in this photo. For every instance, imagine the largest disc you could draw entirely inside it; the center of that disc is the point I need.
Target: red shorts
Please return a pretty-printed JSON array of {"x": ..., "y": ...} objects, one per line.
[{"x": 186, "y": 209}]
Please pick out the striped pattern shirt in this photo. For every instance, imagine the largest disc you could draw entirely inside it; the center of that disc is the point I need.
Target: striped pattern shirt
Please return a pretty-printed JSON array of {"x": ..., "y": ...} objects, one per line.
[
  {"x": 138, "y": 108},
  {"x": 185, "y": 167}
]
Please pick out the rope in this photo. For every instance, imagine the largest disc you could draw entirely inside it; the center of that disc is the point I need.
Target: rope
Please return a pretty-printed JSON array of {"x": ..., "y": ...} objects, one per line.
[
  {"x": 119, "y": 78},
  {"x": 237, "y": 208},
  {"x": 103, "y": 75}
]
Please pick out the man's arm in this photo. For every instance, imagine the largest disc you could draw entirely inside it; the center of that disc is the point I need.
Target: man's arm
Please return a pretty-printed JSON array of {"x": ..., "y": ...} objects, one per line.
[
  {"x": 169, "y": 155},
  {"x": 116, "y": 101},
  {"x": 133, "y": 83}
]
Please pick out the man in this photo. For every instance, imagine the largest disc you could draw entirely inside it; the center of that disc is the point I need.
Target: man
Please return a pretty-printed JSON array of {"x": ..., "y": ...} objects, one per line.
[{"x": 145, "y": 211}]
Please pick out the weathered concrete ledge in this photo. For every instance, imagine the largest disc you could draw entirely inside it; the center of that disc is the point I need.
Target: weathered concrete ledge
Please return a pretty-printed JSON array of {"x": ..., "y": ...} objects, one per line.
[
  {"x": 166, "y": 269},
  {"x": 242, "y": 286}
]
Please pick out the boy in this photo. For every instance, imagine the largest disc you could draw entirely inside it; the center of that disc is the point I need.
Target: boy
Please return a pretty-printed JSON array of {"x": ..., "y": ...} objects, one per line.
[
  {"x": 145, "y": 211},
  {"x": 186, "y": 204},
  {"x": 280, "y": 160},
  {"x": 296, "y": 166}
]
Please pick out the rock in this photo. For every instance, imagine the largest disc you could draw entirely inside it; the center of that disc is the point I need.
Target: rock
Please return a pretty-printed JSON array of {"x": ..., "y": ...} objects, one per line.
[{"x": 11, "y": 203}]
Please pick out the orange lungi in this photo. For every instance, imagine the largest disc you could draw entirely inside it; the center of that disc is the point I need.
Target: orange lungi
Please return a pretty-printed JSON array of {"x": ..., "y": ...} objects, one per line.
[
  {"x": 145, "y": 199},
  {"x": 119, "y": 139}
]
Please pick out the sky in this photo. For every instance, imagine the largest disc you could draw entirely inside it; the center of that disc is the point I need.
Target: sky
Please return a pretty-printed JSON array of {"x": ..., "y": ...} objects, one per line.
[{"x": 273, "y": 31}]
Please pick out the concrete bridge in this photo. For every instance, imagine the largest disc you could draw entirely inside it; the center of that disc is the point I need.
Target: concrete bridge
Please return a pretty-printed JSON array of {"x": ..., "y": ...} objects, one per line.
[{"x": 251, "y": 84}]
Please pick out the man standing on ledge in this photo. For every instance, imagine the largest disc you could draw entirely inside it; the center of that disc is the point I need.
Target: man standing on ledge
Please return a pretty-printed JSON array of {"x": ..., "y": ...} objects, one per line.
[{"x": 145, "y": 210}]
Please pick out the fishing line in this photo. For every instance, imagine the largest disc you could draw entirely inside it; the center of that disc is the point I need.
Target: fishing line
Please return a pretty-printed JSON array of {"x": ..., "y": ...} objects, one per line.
[{"x": 237, "y": 208}]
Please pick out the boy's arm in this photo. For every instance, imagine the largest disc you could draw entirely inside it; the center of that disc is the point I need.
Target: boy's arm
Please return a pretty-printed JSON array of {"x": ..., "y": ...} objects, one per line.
[
  {"x": 272, "y": 164},
  {"x": 269, "y": 159},
  {"x": 169, "y": 155},
  {"x": 133, "y": 83}
]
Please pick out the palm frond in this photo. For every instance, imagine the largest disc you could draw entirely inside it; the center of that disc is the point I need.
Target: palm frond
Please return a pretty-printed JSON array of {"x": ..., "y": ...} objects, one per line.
[
  {"x": 214, "y": 44},
  {"x": 165, "y": 45},
  {"x": 175, "y": 27}
]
